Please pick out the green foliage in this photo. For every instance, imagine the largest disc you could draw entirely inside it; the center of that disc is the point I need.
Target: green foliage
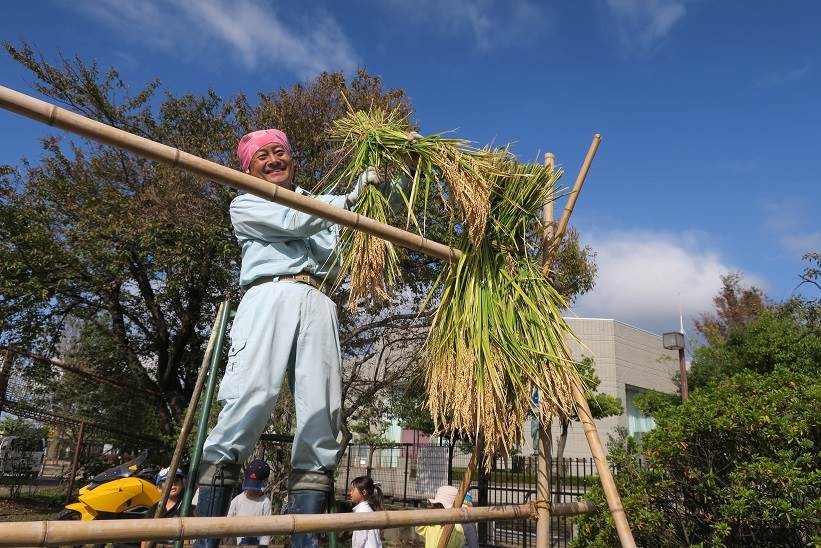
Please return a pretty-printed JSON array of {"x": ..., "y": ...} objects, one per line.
[
  {"x": 653, "y": 402},
  {"x": 407, "y": 405},
  {"x": 737, "y": 465},
  {"x": 601, "y": 405},
  {"x": 780, "y": 338},
  {"x": 22, "y": 429},
  {"x": 574, "y": 267}
]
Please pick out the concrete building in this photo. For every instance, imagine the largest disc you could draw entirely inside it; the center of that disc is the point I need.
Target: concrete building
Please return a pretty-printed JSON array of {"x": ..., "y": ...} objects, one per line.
[{"x": 628, "y": 361}]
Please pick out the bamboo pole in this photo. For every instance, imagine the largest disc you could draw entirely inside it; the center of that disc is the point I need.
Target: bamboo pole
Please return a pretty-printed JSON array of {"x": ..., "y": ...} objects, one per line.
[
  {"x": 543, "y": 535},
  {"x": 53, "y": 115},
  {"x": 45, "y": 533},
  {"x": 548, "y": 211},
  {"x": 444, "y": 537},
  {"x": 571, "y": 200},
  {"x": 611, "y": 493},
  {"x": 591, "y": 433},
  {"x": 189, "y": 413}
]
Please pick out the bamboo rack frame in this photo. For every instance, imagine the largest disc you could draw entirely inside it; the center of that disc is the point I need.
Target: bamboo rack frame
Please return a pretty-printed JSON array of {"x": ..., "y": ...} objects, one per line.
[
  {"x": 45, "y": 533},
  {"x": 53, "y": 115}
]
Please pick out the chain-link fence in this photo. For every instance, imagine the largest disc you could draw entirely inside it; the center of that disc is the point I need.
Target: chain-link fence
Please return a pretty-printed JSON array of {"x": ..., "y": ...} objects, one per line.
[{"x": 76, "y": 423}]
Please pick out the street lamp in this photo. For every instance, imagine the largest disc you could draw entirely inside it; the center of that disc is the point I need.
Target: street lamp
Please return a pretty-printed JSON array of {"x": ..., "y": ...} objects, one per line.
[{"x": 674, "y": 340}]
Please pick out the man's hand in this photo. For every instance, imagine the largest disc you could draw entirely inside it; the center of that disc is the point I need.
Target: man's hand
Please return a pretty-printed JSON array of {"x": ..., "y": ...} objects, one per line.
[
  {"x": 368, "y": 177},
  {"x": 411, "y": 160}
]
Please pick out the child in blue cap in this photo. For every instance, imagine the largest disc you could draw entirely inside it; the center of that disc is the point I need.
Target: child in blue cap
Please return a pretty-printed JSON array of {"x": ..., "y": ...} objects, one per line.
[{"x": 252, "y": 501}]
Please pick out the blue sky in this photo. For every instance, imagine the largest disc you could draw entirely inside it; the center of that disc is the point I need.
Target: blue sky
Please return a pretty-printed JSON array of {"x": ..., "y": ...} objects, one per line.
[{"x": 709, "y": 110}]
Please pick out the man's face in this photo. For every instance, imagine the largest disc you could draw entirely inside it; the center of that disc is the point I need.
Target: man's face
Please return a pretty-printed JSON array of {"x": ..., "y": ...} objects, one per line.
[{"x": 274, "y": 164}]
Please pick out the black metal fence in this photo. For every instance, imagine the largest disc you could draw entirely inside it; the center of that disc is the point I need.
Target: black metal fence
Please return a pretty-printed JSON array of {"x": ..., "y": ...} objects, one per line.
[{"x": 409, "y": 475}]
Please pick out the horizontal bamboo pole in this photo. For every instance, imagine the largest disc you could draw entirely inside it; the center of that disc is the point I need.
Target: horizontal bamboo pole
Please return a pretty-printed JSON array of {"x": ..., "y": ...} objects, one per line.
[
  {"x": 45, "y": 533},
  {"x": 53, "y": 115}
]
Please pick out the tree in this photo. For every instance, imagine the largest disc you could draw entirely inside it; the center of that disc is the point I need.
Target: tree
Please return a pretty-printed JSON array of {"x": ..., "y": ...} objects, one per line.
[
  {"x": 736, "y": 465},
  {"x": 735, "y": 306},
  {"x": 779, "y": 338},
  {"x": 812, "y": 273}
]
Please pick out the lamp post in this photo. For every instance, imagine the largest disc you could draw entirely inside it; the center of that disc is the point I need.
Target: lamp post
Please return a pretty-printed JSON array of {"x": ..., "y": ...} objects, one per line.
[{"x": 674, "y": 340}]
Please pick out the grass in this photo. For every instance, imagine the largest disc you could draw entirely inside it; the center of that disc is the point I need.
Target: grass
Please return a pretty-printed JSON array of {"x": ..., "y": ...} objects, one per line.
[{"x": 41, "y": 505}]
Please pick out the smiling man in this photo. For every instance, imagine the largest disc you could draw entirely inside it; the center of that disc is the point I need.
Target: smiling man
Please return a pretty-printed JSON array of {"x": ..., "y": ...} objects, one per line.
[{"x": 284, "y": 324}]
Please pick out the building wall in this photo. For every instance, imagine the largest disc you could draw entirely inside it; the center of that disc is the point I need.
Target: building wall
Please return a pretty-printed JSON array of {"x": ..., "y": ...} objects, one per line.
[{"x": 626, "y": 358}]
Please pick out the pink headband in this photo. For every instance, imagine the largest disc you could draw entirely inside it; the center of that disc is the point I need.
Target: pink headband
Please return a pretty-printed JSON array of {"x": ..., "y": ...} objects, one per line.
[{"x": 252, "y": 142}]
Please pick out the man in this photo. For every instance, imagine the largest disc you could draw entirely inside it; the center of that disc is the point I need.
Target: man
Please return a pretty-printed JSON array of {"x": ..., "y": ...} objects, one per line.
[{"x": 284, "y": 324}]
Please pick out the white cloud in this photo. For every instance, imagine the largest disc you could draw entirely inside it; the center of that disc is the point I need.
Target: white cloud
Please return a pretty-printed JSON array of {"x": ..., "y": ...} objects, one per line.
[
  {"x": 802, "y": 243},
  {"x": 490, "y": 24},
  {"x": 642, "y": 273},
  {"x": 793, "y": 222},
  {"x": 784, "y": 77},
  {"x": 640, "y": 24},
  {"x": 250, "y": 30}
]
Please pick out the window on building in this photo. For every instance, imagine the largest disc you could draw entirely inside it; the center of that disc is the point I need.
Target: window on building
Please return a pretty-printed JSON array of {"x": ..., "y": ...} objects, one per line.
[{"x": 637, "y": 422}]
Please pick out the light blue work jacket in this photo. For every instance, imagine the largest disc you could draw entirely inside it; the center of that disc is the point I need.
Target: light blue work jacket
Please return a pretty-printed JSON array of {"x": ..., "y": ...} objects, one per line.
[{"x": 277, "y": 240}]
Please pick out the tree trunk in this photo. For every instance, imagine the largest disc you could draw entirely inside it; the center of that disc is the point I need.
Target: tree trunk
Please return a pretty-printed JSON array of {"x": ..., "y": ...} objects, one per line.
[
  {"x": 560, "y": 445},
  {"x": 371, "y": 451}
]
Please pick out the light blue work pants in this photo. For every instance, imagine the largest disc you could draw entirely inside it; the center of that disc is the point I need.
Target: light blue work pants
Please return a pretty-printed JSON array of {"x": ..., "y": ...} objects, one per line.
[{"x": 281, "y": 326}]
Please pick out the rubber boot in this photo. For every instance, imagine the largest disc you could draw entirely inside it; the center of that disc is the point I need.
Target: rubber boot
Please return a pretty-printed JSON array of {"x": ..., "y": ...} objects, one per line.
[
  {"x": 214, "y": 501},
  {"x": 306, "y": 502}
]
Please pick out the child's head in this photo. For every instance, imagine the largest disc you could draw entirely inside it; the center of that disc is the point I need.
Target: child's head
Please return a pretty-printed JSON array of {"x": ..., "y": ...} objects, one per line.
[
  {"x": 178, "y": 480},
  {"x": 255, "y": 475},
  {"x": 363, "y": 488},
  {"x": 444, "y": 498}
]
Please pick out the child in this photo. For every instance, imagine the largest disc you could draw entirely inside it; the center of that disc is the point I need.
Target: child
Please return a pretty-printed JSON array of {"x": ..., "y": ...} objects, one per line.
[
  {"x": 252, "y": 502},
  {"x": 471, "y": 533},
  {"x": 444, "y": 498},
  {"x": 367, "y": 497}
]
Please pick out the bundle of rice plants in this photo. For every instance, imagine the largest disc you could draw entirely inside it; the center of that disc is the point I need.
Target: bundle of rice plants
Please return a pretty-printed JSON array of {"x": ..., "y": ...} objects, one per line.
[
  {"x": 498, "y": 331},
  {"x": 432, "y": 166}
]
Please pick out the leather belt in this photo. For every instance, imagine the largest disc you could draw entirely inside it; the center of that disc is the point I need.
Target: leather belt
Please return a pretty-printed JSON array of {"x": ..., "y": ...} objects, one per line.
[{"x": 302, "y": 277}]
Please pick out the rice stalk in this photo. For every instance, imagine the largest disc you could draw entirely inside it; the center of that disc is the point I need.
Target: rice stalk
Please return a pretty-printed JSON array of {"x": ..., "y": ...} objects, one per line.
[
  {"x": 498, "y": 331},
  {"x": 432, "y": 167}
]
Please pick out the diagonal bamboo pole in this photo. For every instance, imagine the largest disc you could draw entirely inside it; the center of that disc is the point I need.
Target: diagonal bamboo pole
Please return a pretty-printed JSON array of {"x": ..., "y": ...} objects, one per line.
[
  {"x": 571, "y": 201},
  {"x": 50, "y": 533},
  {"x": 611, "y": 493},
  {"x": 444, "y": 537},
  {"x": 53, "y": 115}
]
